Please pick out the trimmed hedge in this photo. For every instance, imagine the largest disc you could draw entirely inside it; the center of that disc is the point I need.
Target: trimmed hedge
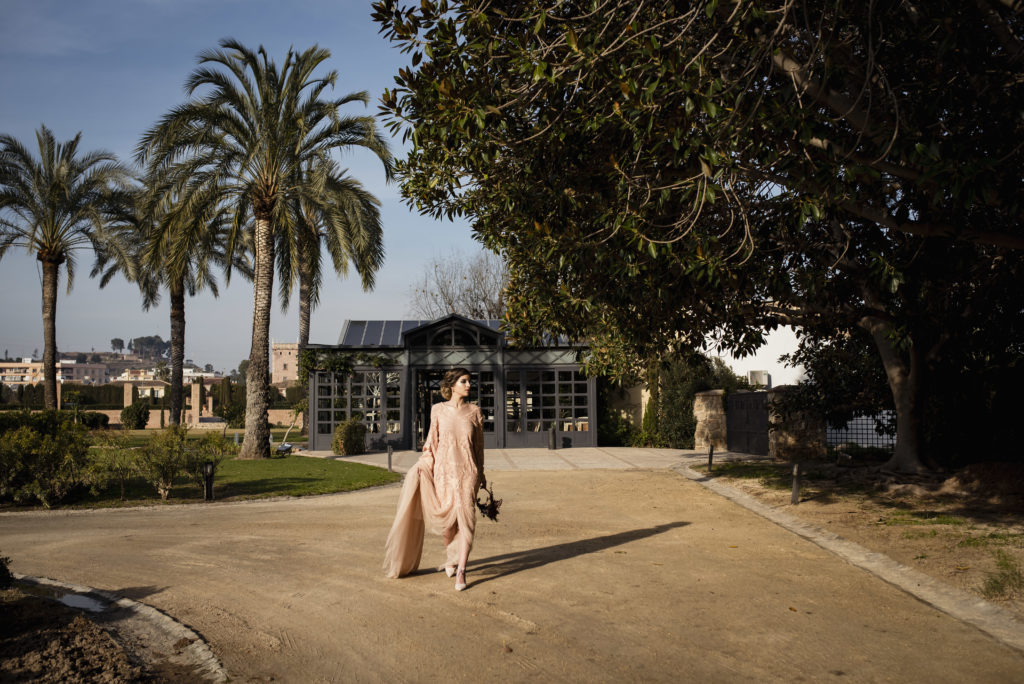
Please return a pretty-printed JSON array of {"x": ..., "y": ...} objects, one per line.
[{"x": 350, "y": 438}]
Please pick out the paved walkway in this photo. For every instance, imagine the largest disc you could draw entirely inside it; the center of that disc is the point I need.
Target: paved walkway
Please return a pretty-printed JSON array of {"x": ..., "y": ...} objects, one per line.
[
  {"x": 606, "y": 565},
  {"x": 585, "y": 458}
]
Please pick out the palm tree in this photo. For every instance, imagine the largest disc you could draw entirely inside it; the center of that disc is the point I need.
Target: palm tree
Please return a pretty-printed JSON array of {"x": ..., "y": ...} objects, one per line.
[
  {"x": 350, "y": 228},
  {"x": 55, "y": 206},
  {"x": 245, "y": 140},
  {"x": 176, "y": 246}
]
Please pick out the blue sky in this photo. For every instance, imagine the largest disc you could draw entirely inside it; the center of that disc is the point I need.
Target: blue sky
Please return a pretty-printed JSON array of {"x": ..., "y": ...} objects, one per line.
[{"x": 110, "y": 69}]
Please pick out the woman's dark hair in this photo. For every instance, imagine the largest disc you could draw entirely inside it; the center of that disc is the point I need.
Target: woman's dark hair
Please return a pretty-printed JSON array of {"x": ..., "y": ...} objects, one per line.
[{"x": 450, "y": 378}]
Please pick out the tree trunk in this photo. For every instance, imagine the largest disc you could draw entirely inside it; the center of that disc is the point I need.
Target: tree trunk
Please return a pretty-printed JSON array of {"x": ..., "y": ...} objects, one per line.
[
  {"x": 305, "y": 305},
  {"x": 50, "y": 276},
  {"x": 177, "y": 350},
  {"x": 257, "y": 428},
  {"x": 904, "y": 377}
]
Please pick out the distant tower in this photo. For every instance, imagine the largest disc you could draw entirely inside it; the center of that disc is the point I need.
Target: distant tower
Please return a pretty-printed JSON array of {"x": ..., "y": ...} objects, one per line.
[{"x": 760, "y": 378}]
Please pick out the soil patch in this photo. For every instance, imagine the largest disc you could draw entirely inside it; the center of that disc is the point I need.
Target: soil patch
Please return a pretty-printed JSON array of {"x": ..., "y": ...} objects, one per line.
[
  {"x": 965, "y": 529},
  {"x": 45, "y": 642}
]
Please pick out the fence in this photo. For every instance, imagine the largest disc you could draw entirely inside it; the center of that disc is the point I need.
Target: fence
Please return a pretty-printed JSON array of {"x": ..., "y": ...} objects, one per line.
[{"x": 861, "y": 431}]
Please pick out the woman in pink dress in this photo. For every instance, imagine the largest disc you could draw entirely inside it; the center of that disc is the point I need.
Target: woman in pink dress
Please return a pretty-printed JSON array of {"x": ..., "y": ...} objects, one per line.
[{"x": 439, "y": 492}]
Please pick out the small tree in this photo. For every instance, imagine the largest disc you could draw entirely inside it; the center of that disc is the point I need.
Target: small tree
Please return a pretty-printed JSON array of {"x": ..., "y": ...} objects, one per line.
[
  {"x": 135, "y": 416},
  {"x": 211, "y": 447},
  {"x": 163, "y": 459},
  {"x": 113, "y": 460}
]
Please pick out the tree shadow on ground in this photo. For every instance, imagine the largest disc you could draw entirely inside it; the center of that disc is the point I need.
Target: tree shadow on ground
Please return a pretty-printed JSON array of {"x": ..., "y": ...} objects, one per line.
[{"x": 510, "y": 563}]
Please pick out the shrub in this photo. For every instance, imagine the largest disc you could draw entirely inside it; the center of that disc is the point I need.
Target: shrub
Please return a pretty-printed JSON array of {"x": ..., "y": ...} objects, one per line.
[
  {"x": 43, "y": 422},
  {"x": 210, "y": 447},
  {"x": 6, "y": 578},
  {"x": 232, "y": 413},
  {"x": 94, "y": 420},
  {"x": 350, "y": 438},
  {"x": 113, "y": 460},
  {"x": 40, "y": 467},
  {"x": 135, "y": 416},
  {"x": 163, "y": 458}
]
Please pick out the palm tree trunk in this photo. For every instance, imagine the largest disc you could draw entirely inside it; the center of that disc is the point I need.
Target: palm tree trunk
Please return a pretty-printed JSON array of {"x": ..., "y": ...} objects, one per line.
[
  {"x": 257, "y": 428},
  {"x": 50, "y": 276},
  {"x": 305, "y": 305},
  {"x": 177, "y": 350},
  {"x": 904, "y": 375}
]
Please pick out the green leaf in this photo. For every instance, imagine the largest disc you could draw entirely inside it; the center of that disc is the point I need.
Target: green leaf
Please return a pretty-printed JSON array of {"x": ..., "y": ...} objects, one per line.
[{"x": 570, "y": 39}]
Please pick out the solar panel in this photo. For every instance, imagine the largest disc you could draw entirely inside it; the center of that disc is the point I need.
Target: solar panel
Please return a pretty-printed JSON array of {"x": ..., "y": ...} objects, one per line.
[{"x": 372, "y": 334}]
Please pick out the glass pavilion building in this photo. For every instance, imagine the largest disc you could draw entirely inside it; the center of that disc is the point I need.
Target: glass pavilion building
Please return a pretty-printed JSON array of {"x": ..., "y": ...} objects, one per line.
[{"x": 396, "y": 374}]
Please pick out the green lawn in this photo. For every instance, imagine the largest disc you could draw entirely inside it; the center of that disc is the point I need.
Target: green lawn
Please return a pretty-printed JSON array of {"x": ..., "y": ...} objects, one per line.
[
  {"x": 236, "y": 480},
  {"x": 140, "y": 437}
]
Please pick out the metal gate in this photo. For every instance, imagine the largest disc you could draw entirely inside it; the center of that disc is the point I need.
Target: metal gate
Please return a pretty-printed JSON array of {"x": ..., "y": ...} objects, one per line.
[{"x": 746, "y": 422}]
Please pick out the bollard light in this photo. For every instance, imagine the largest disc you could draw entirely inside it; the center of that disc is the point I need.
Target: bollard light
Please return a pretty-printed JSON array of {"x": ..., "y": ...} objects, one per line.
[{"x": 208, "y": 480}]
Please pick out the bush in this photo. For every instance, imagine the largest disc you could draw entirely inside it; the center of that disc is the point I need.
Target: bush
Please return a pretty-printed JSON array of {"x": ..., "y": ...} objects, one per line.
[
  {"x": 135, "y": 416},
  {"x": 94, "y": 420},
  {"x": 43, "y": 422},
  {"x": 163, "y": 458},
  {"x": 210, "y": 447},
  {"x": 6, "y": 578},
  {"x": 113, "y": 460},
  {"x": 350, "y": 438},
  {"x": 232, "y": 413},
  {"x": 40, "y": 467}
]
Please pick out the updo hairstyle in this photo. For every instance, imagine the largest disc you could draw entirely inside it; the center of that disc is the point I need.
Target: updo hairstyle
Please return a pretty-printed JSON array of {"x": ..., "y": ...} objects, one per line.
[{"x": 450, "y": 378}]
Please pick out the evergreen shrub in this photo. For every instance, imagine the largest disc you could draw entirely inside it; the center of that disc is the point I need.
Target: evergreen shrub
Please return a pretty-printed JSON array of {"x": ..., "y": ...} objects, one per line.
[
  {"x": 94, "y": 420},
  {"x": 350, "y": 438},
  {"x": 135, "y": 416}
]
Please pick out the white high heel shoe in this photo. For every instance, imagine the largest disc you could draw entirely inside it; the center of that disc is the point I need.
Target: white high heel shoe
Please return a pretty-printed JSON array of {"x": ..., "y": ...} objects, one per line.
[
  {"x": 459, "y": 586},
  {"x": 449, "y": 570}
]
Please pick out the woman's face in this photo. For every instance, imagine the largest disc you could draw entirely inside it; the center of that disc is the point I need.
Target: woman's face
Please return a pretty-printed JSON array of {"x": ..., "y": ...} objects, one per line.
[{"x": 461, "y": 387}]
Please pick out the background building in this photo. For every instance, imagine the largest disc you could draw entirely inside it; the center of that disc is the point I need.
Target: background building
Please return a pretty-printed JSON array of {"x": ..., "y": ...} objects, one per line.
[{"x": 397, "y": 367}]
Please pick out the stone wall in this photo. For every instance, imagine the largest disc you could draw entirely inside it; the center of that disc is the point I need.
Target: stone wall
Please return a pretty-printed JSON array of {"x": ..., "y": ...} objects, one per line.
[
  {"x": 281, "y": 417},
  {"x": 797, "y": 438},
  {"x": 709, "y": 410}
]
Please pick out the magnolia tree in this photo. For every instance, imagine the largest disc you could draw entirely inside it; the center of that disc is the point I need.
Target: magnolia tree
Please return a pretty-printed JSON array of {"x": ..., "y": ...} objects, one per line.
[{"x": 656, "y": 173}]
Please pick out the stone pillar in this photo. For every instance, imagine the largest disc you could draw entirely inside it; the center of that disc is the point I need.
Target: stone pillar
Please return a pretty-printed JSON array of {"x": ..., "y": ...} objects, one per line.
[
  {"x": 196, "y": 406},
  {"x": 128, "y": 393},
  {"x": 709, "y": 410},
  {"x": 209, "y": 403},
  {"x": 796, "y": 437}
]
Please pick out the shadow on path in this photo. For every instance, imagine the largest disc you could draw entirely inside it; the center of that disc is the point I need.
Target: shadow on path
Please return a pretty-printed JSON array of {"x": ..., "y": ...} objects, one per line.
[{"x": 511, "y": 563}]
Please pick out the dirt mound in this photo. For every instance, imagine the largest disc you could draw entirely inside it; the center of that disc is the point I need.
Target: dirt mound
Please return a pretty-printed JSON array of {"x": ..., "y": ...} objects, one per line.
[
  {"x": 42, "y": 641},
  {"x": 987, "y": 479}
]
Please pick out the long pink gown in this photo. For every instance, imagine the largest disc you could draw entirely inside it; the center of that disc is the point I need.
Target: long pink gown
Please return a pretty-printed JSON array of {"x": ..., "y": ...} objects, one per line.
[{"x": 439, "y": 491}]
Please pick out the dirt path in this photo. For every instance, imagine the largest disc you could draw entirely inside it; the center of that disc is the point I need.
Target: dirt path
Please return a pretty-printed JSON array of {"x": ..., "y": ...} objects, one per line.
[{"x": 591, "y": 575}]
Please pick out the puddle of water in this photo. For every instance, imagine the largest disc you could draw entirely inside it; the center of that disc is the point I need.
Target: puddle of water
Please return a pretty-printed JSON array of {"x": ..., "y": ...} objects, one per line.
[
  {"x": 77, "y": 601},
  {"x": 82, "y": 602}
]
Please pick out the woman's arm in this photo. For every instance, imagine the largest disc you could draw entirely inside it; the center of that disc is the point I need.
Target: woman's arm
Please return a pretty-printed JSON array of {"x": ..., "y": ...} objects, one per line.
[
  {"x": 478, "y": 446},
  {"x": 430, "y": 443}
]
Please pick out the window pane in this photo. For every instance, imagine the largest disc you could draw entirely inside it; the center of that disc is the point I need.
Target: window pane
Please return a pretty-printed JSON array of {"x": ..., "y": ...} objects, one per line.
[
  {"x": 581, "y": 388},
  {"x": 548, "y": 376},
  {"x": 323, "y": 402},
  {"x": 323, "y": 428},
  {"x": 564, "y": 376}
]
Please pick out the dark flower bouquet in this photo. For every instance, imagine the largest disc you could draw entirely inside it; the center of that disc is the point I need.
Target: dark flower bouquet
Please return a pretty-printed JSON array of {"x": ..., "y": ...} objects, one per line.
[{"x": 489, "y": 507}]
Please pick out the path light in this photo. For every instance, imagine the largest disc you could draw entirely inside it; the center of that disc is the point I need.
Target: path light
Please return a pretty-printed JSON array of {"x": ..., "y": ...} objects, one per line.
[{"x": 208, "y": 480}]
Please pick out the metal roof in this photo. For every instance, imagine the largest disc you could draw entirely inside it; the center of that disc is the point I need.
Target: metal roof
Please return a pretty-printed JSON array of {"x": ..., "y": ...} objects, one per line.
[{"x": 388, "y": 333}]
